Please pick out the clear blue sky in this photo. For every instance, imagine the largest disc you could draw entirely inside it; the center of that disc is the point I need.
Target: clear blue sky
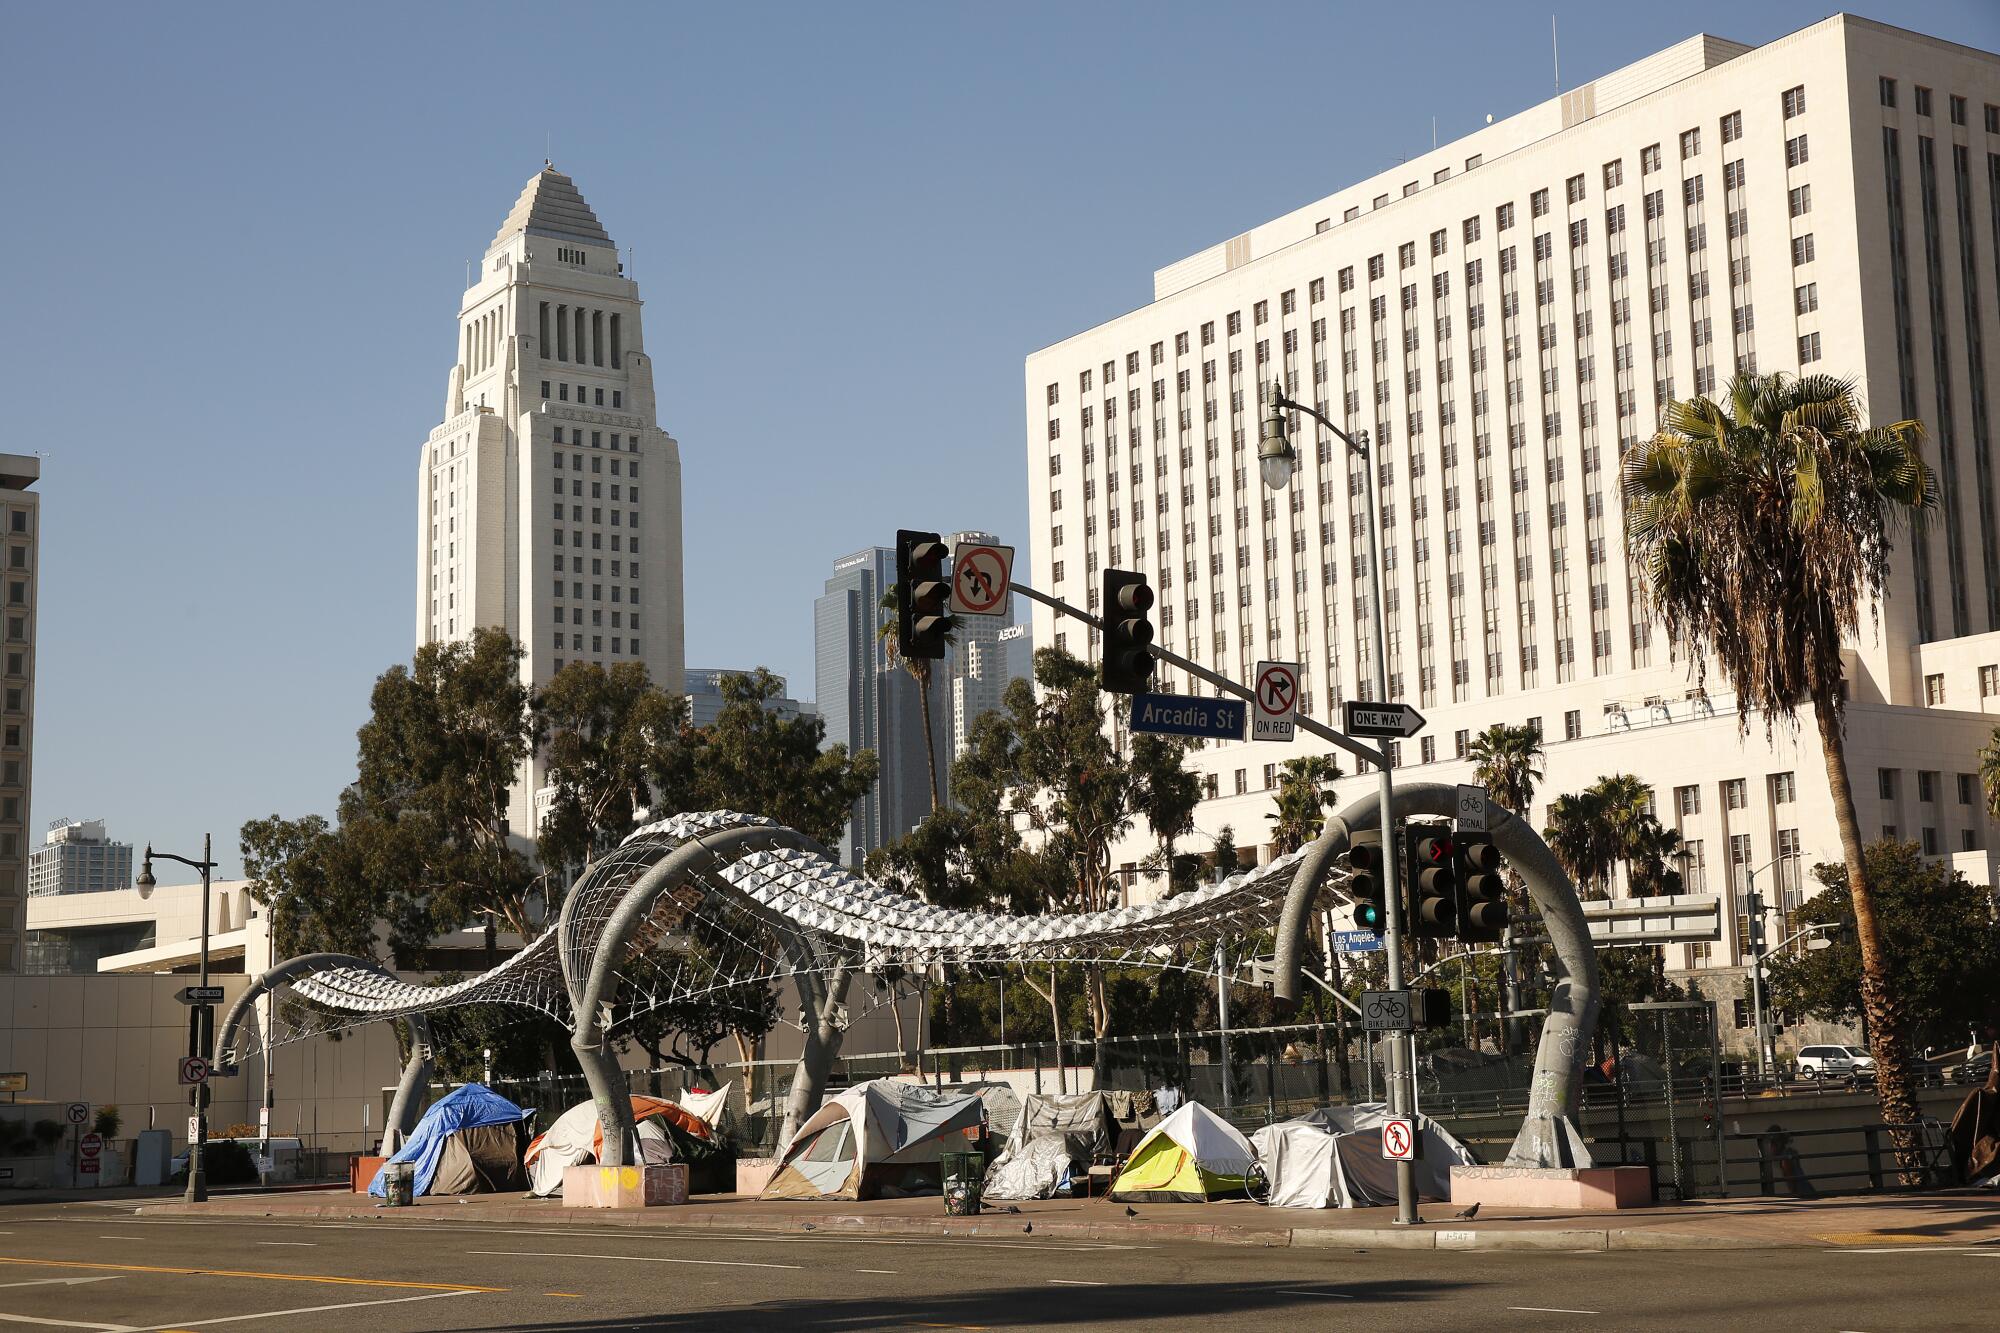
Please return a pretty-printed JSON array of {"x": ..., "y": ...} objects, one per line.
[{"x": 236, "y": 237}]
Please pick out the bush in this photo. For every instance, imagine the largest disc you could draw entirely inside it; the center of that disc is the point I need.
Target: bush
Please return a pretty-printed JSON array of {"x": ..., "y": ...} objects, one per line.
[
  {"x": 224, "y": 1162},
  {"x": 48, "y": 1133},
  {"x": 107, "y": 1122}
]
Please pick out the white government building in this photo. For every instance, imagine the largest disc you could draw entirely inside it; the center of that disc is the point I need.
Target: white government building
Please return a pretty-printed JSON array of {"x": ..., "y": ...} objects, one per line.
[
  {"x": 549, "y": 499},
  {"x": 1504, "y": 315}
]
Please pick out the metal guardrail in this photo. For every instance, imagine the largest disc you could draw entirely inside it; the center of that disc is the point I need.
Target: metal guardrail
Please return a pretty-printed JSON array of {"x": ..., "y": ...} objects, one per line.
[{"x": 1781, "y": 1169}]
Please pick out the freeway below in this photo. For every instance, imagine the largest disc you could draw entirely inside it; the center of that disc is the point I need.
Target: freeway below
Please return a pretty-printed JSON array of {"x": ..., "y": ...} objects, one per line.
[{"x": 99, "y": 1267}]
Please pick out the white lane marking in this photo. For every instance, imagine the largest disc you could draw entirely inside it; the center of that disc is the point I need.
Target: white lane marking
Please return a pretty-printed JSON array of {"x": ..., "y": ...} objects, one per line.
[
  {"x": 1925, "y": 1249},
  {"x": 979, "y": 1242},
  {"x": 1075, "y": 1282},
  {"x": 1550, "y": 1309},
  {"x": 122, "y": 1238},
  {"x": 308, "y": 1244},
  {"x": 98, "y": 1325},
  {"x": 630, "y": 1258},
  {"x": 890, "y": 1271},
  {"x": 1331, "y": 1295},
  {"x": 63, "y": 1281},
  {"x": 280, "y": 1314}
]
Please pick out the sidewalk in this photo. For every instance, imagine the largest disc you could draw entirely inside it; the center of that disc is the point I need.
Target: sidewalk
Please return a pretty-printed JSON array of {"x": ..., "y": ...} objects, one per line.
[{"x": 1951, "y": 1218}]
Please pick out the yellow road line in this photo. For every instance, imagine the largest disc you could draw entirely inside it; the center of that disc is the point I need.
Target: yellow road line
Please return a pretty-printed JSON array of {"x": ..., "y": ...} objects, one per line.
[
  {"x": 232, "y": 1272},
  {"x": 571, "y": 1295}
]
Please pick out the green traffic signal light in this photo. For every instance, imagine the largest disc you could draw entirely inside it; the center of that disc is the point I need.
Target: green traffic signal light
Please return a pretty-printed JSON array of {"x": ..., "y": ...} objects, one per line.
[{"x": 1366, "y": 882}]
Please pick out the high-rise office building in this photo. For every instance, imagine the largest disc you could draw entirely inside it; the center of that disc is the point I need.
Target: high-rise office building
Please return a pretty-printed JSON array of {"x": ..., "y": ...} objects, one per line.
[
  {"x": 78, "y": 856},
  {"x": 705, "y": 701},
  {"x": 549, "y": 499},
  {"x": 1505, "y": 316},
  {"x": 21, "y": 535},
  {"x": 870, "y": 703}
]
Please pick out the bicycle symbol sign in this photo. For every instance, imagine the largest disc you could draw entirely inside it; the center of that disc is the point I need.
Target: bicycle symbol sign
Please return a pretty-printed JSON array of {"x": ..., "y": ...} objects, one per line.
[{"x": 1386, "y": 1011}]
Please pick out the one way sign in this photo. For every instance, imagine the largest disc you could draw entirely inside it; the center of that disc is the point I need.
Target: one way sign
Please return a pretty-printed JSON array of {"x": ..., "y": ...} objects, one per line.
[{"x": 1382, "y": 720}]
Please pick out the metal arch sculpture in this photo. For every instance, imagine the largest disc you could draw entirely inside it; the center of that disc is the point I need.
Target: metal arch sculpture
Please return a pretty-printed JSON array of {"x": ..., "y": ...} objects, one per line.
[
  {"x": 698, "y": 903},
  {"x": 1548, "y": 1135},
  {"x": 327, "y": 981}
]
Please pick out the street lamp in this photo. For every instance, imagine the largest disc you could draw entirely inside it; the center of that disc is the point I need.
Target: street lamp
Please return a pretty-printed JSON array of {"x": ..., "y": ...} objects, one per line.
[
  {"x": 1756, "y": 915},
  {"x": 1276, "y": 461},
  {"x": 202, "y": 1040}
]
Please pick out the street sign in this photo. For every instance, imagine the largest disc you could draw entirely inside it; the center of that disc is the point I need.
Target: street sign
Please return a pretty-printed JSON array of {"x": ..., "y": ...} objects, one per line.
[
  {"x": 1399, "y": 1139},
  {"x": 77, "y": 1113},
  {"x": 1382, "y": 720},
  {"x": 194, "y": 1069},
  {"x": 1387, "y": 1011},
  {"x": 199, "y": 995},
  {"x": 1188, "y": 715},
  {"x": 1472, "y": 808},
  {"x": 88, "y": 1149},
  {"x": 194, "y": 1128},
  {"x": 980, "y": 576},
  {"x": 16, "y": 1082},
  {"x": 263, "y": 1122},
  {"x": 1277, "y": 701},
  {"x": 1356, "y": 941}
]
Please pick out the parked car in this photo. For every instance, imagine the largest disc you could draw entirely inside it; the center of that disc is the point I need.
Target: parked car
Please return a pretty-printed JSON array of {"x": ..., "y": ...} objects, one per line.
[
  {"x": 1864, "y": 1063},
  {"x": 1824, "y": 1062},
  {"x": 1974, "y": 1070}
]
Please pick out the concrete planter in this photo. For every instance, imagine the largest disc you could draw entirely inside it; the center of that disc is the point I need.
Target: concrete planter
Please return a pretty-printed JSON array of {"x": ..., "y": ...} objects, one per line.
[{"x": 625, "y": 1186}]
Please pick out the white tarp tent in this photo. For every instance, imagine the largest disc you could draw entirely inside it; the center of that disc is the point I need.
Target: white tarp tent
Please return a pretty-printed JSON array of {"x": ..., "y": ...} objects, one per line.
[
  {"x": 577, "y": 1138},
  {"x": 707, "y": 1107},
  {"x": 878, "y": 1138},
  {"x": 1332, "y": 1158}
]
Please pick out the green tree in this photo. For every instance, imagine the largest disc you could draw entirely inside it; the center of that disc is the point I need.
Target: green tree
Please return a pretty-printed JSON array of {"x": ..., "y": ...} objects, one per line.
[
  {"x": 921, "y": 671},
  {"x": 1989, "y": 772},
  {"x": 318, "y": 901},
  {"x": 1582, "y": 831},
  {"x": 1507, "y": 761},
  {"x": 1305, "y": 789},
  {"x": 1943, "y": 957},
  {"x": 1166, "y": 794},
  {"x": 1224, "y": 853},
  {"x": 1762, "y": 524},
  {"x": 755, "y": 762},
  {"x": 616, "y": 744}
]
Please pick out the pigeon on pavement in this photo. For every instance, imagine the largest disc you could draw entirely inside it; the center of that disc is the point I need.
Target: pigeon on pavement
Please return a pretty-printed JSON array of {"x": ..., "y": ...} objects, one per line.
[
  {"x": 1027, "y": 1228},
  {"x": 1130, "y": 1211},
  {"x": 1466, "y": 1214}
]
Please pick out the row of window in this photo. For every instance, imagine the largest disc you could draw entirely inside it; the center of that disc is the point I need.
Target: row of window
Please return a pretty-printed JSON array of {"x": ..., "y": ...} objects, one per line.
[
  {"x": 582, "y": 396},
  {"x": 1955, "y": 105}
]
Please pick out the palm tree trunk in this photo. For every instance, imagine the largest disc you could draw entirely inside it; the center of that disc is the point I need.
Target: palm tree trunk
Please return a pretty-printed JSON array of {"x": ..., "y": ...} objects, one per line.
[
  {"x": 1884, "y": 1010},
  {"x": 923, "y": 679}
]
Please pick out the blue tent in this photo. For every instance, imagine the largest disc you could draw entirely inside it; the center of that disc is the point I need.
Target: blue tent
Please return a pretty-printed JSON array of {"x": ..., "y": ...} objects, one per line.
[{"x": 473, "y": 1106}]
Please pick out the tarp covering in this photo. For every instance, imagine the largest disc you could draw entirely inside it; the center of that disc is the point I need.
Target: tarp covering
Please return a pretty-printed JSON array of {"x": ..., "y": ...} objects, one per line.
[
  {"x": 1192, "y": 1156},
  {"x": 1032, "y": 1170},
  {"x": 707, "y": 1106},
  {"x": 1083, "y": 1118},
  {"x": 667, "y": 1133},
  {"x": 877, "y": 1138},
  {"x": 1332, "y": 1158},
  {"x": 468, "y": 1107}
]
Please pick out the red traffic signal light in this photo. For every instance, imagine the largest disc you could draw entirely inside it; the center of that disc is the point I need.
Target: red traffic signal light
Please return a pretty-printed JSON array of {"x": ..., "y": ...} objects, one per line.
[{"x": 1433, "y": 880}]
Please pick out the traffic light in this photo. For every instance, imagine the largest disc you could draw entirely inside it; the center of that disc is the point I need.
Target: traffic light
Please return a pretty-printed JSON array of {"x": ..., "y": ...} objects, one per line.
[
  {"x": 1368, "y": 881},
  {"x": 1128, "y": 666},
  {"x": 1433, "y": 881},
  {"x": 921, "y": 594},
  {"x": 1482, "y": 893}
]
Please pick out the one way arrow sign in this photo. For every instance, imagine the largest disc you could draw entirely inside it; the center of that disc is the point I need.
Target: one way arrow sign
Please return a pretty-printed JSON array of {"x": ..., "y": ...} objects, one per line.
[{"x": 1382, "y": 720}]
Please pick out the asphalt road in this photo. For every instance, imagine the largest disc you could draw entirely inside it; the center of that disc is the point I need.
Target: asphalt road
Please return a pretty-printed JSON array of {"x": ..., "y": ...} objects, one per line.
[{"x": 96, "y": 1266}]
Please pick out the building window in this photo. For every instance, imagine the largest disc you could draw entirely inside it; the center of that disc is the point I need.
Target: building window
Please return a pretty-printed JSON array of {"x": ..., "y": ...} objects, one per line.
[
  {"x": 1428, "y": 749},
  {"x": 1732, "y": 127},
  {"x": 1967, "y": 784},
  {"x": 1688, "y": 799},
  {"x": 1886, "y": 89},
  {"x": 1989, "y": 680},
  {"x": 1242, "y": 781},
  {"x": 1734, "y": 794},
  {"x": 1806, "y": 298},
  {"x": 1885, "y": 784},
  {"x": 1930, "y": 842},
  {"x": 1690, "y": 143},
  {"x": 1927, "y": 784},
  {"x": 1796, "y": 154},
  {"x": 1802, "y": 249},
  {"x": 1801, "y": 200},
  {"x": 1572, "y": 725},
  {"x": 1460, "y": 741},
  {"x": 1934, "y": 690},
  {"x": 1957, "y": 109},
  {"x": 1923, "y": 100},
  {"x": 1795, "y": 101},
  {"x": 1784, "y": 788},
  {"x": 1809, "y": 349},
  {"x": 1503, "y": 217}
]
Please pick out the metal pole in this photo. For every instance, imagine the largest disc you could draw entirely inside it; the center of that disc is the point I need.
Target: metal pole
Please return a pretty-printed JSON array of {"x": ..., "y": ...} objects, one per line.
[
  {"x": 1222, "y": 1018},
  {"x": 1753, "y": 904},
  {"x": 1400, "y": 1087},
  {"x": 197, "y": 1186}
]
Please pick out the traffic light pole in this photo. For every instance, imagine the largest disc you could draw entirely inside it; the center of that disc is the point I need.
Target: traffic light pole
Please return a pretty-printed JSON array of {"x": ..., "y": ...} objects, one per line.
[{"x": 1400, "y": 1081}]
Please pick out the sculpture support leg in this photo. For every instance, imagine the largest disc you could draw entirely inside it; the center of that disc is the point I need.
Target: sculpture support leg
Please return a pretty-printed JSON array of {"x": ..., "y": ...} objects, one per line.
[
  {"x": 409, "y": 1100},
  {"x": 1548, "y": 1135},
  {"x": 607, "y": 1092},
  {"x": 822, "y": 1047}
]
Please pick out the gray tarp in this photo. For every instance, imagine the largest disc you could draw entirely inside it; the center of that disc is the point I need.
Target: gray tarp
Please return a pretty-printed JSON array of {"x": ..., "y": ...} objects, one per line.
[
  {"x": 881, "y": 1136},
  {"x": 1365, "y": 1178}
]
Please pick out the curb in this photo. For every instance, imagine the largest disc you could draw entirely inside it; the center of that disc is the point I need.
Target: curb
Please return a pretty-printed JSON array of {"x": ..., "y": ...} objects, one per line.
[{"x": 1005, "y": 1224}]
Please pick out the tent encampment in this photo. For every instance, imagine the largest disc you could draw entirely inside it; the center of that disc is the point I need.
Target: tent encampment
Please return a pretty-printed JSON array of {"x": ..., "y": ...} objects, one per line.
[
  {"x": 708, "y": 1106},
  {"x": 1053, "y": 1136},
  {"x": 877, "y": 1139},
  {"x": 1192, "y": 1156},
  {"x": 667, "y": 1133},
  {"x": 1332, "y": 1158},
  {"x": 469, "y": 1142}
]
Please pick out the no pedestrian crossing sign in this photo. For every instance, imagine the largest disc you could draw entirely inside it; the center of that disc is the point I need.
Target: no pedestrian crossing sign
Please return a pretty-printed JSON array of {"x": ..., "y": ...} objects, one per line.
[
  {"x": 1399, "y": 1139},
  {"x": 1277, "y": 701},
  {"x": 980, "y": 576}
]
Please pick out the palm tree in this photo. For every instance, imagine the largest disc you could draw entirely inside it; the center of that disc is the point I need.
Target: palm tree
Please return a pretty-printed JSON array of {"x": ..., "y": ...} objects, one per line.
[
  {"x": 1989, "y": 773},
  {"x": 920, "y": 671},
  {"x": 1583, "y": 833},
  {"x": 1762, "y": 524},
  {"x": 1507, "y": 761},
  {"x": 1305, "y": 789},
  {"x": 1166, "y": 793}
]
